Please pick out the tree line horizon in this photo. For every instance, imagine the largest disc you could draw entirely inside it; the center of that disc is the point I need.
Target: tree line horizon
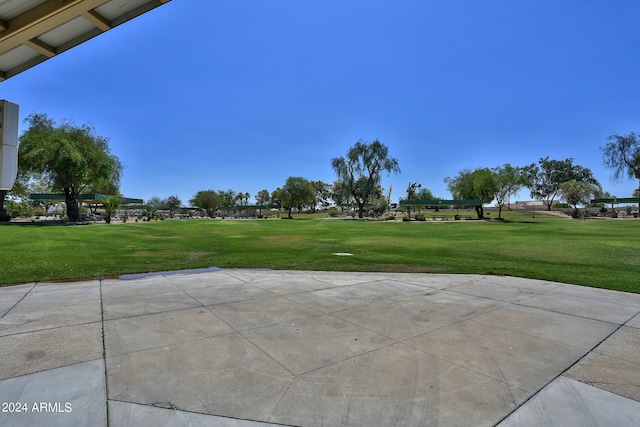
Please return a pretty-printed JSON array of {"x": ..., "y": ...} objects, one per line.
[{"x": 63, "y": 157}]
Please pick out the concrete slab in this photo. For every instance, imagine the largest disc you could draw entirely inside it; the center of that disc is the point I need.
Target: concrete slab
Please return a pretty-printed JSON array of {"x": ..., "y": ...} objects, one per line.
[
  {"x": 48, "y": 293},
  {"x": 584, "y": 307},
  {"x": 569, "y": 403},
  {"x": 284, "y": 286},
  {"x": 251, "y": 314},
  {"x": 598, "y": 294},
  {"x": 396, "y": 320},
  {"x": 393, "y": 386},
  {"x": 29, "y": 316},
  {"x": 494, "y": 291},
  {"x": 123, "y": 305},
  {"x": 154, "y": 284},
  {"x": 519, "y": 359},
  {"x": 334, "y": 299},
  {"x": 314, "y": 342},
  {"x": 357, "y": 349},
  {"x": 435, "y": 281},
  {"x": 614, "y": 365},
  {"x": 80, "y": 287},
  {"x": 37, "y": 351},
  {"x": 224, "y": 375},
  {"x": 561, "y": 328},
  {"x": 124, "y": 414},
  {"x": 10, "y": 297},
  {"x": 387, "y": 289},
  {"x": 460, "y": 305},
  {"x": 635, "y": 322},
  {"x": 520, "y": 282},
  {"x": 137, "y": 333},
  {"x": 217, "y": 288},
  {"x": 74, "y": 395}
]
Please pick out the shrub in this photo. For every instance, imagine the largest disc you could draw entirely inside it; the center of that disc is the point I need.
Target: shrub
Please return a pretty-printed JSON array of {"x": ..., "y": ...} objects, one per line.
[
  {"x": 5, "y": 217},
  {"x": 406, "y": 218},
  {"x": 333, "y": 213}
]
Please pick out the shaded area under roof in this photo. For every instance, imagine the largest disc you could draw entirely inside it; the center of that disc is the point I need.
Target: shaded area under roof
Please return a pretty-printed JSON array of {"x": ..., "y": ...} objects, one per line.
[
  {"x": 84, "y": 198},
  {"x": 32, "y": 31},
  {"x": 617, "y": 200},
  {"x": 461, "y": 202}
]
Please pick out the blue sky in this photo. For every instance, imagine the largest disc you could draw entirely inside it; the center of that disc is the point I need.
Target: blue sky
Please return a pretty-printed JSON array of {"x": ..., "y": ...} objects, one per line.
[{"x": 212, "y": 94}]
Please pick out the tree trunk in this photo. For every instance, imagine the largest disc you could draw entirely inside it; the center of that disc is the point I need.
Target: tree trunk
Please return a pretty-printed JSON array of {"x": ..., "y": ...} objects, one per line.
[
  {"x": 73, "y": 211},
  {"x": 480, "y": 211},
  {"x": 3, "y": 194},
  {"x": 360, "y": 210}
]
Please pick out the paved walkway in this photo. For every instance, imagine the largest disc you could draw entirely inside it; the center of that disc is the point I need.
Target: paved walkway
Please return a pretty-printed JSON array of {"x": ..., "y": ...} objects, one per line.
[{"x": 241, "y": 348}]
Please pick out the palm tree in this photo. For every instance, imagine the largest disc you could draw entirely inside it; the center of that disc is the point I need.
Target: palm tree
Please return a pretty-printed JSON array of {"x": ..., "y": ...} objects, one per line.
[{"x": 110, "y": 205}]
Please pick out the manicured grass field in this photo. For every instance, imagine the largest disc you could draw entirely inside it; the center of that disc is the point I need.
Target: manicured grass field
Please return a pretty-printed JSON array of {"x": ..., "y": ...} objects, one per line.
[{"x": 600, "y": 253}]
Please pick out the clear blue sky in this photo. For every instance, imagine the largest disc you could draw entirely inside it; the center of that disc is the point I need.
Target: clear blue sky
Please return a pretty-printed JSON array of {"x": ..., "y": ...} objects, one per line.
[{"x": 213, "y": 94}]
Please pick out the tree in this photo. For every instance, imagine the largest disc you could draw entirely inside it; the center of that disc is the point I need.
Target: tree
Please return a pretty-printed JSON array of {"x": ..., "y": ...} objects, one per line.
[
  {"x": 415, "y": 191},
  {"x": 510, "y": 180},
  {"x": 152, "y": 206},
  {"x": 207, "y": 200},
  {"x": 411, "y": 194},
  {"x": 578, "y": 193},
  {"x": 172, "y": 203},
  {"x": 296, "y": 192},
  {"x": 72, "y": 158},
  {"x": 545, "y": 180},
  {"x": 360, "y": 170},
  {"x": 321, "y": 195},
  {"x": 263, "y": 198},
  {"x": 227, "y": 199},
  {"x": 622, "y": 154},
  {"x": 340, "y": 194},
  {"x": 479, "y": 184},
  {"x": 110, "y": 205}
]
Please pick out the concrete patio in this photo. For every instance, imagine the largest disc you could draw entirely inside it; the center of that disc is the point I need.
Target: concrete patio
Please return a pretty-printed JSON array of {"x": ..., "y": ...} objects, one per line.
[{"x": 240, "y": 348}]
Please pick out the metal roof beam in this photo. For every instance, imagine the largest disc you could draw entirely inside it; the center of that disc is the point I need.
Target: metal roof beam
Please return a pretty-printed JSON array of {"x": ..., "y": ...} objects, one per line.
[
  {"x": 42, "y": 18},
  {"x": 41, "y": 47},
  {"x": 96, "y": 19}
]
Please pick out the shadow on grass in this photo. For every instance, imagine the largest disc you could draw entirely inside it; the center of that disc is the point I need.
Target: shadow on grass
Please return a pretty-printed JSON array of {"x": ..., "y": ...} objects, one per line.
[{"x": 48, "y": 223}]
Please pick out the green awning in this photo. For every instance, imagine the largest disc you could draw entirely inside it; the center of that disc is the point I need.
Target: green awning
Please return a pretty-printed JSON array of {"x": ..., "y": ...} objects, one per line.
[
  {"x": 618, "y": 200},
  {"x": 461, "y": 202},
  {"x": 85, "y": 198}
]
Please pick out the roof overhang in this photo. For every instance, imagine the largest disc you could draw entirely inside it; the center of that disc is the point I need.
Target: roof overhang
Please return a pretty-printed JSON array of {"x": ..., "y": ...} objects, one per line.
[
  {"x": 32, "y": 31},
  {"x": 461, "y": 202},
  {"x": 618, "y": 200},
  {"x": 84, "y": 198}
]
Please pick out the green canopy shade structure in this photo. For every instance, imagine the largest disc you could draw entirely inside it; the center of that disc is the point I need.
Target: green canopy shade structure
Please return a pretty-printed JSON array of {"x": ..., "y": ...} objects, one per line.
[
  {"x": 461, "y": 202},
  {"x": 618, "y": 200},
  {"x": 92, "y": 199}
]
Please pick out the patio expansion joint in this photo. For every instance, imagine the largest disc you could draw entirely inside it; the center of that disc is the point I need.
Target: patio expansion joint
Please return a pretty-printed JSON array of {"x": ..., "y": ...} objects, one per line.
[
  {"x": 585, "y": 354},
  {"x": 20, "y": 300},
  {"x": 104, "y": 355}
]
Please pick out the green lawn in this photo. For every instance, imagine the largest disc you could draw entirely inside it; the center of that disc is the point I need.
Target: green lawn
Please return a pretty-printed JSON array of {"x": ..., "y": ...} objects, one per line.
[{"x": 596, "y": 253}]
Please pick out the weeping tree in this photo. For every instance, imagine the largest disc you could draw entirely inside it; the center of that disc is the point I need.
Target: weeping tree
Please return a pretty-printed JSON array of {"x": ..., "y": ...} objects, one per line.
[
  {"x": 359, "y": 172},
  {"x": 622, "y": 154},
  {"x": 71, "y": 158}
]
